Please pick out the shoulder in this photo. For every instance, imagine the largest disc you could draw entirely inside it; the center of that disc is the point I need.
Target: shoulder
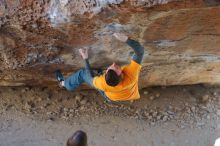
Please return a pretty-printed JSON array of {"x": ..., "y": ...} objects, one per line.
[
  {"x": 132, "y": 69},
  {"x": 99, "y": 81},
  {"x": 132, "y": 65}
]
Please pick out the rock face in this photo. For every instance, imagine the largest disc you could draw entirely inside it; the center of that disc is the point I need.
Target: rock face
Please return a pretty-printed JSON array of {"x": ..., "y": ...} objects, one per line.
[{"x": 181, "y": 39}]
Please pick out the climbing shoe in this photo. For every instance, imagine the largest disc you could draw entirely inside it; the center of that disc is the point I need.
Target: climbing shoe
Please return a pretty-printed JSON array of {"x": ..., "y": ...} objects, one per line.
[{"x": 59, "y": 76}]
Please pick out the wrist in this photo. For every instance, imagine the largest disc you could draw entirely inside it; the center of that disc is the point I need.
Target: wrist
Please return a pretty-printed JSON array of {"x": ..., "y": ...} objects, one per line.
[
  {"x": 85, "y": 58},
  {"x": 124, "y": 39},
  {"x": 127, "y": 40}
]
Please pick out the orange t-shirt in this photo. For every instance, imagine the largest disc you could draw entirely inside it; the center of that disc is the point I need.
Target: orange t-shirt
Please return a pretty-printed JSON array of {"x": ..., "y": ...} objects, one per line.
[{"x": 127, "y": 89}]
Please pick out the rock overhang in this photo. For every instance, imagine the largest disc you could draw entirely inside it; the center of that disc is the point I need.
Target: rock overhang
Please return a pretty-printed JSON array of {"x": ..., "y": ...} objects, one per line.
[{"x": 181, "y": 39}]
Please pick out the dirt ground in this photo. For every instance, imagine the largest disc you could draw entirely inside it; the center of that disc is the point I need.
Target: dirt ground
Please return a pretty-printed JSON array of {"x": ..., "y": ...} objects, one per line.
[{"x": 164, "y": 116}]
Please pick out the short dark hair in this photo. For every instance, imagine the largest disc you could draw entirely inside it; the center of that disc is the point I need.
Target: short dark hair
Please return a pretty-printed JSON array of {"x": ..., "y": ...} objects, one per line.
[
  {"x": 79, "y": 138},
  {"x": 111, "y": 78}
]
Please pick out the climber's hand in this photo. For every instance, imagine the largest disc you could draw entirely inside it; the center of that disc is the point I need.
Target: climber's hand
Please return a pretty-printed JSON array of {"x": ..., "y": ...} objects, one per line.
[
  {"x": 121, "y": 37},
  {"x": 84, "y": 53}
]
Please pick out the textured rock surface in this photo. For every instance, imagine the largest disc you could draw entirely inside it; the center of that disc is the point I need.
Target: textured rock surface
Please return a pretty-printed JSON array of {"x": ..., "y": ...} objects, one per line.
[{"x": 181, "y": 38}]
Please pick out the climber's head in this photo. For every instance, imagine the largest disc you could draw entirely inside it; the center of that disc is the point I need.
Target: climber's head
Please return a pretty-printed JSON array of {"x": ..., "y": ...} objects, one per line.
[{"x": 113, "y": 75}]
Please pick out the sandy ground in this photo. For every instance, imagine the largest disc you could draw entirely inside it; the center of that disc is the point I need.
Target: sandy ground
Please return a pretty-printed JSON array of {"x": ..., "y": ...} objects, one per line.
[{"x": 171, "y": 116}]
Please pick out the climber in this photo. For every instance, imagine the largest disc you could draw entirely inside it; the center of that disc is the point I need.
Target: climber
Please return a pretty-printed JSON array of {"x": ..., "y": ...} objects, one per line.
[{"x": 117, "y": 83}]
